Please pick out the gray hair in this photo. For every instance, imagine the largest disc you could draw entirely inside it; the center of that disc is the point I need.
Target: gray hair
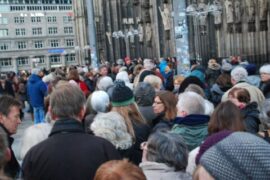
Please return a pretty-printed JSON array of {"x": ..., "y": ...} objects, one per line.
[
  {"x": 35, "y": 71},
  {"x": 104, "y": 83},
  {"x": 195, "y": 88},
  {"x": 149, "y": 64},
  {"x": 67, "y": 101},
  {"x": 191, "y": 103},
  {"x": 100, "y": 101},
  {"x": 239, "y": 74},
  {"x": 111, "y": 126},
  {"x": 168, "y": 148},
  {"x": 265, "y": 114},
  {"x": 154, "y": 80}
]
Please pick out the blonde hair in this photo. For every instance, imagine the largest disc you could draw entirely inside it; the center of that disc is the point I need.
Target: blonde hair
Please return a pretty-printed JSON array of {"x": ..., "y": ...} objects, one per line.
[
  {"x": 130, "y": 114},
  {"x": 154, "y": 80}
]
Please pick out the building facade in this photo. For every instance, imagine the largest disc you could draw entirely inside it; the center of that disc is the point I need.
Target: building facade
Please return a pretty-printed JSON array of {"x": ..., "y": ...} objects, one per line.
[{"x": 36, "y": 33}]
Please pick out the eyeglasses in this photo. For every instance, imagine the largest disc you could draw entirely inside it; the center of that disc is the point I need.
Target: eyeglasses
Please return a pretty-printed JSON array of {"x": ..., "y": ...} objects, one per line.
[{"x": 143, "y": 145}]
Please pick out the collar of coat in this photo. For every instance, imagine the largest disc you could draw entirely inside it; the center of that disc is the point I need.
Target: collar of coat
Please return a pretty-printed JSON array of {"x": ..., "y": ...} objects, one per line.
[
  {"x": 192, "y": 120},
  {"x": 67, "y": 125}
]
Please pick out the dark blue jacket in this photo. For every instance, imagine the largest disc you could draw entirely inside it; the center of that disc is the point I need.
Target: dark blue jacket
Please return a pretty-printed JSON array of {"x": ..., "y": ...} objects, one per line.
[{"x": 36, "y": 90}]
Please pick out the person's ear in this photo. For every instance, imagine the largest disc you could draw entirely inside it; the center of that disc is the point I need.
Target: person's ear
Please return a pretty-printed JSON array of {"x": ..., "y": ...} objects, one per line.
[
  {"x": 53, "y": 117},
  {"x": 82, "y": 113}
]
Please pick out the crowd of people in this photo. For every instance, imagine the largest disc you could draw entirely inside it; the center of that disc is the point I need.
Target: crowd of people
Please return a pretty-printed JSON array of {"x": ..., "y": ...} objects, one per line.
[{"x": 138, "y": 120}]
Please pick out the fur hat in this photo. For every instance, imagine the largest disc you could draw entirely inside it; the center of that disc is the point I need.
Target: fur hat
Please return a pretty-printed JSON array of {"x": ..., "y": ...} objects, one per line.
[
  {"x": 212, "y": 64},
  {"x": 241, "y": 155},
  {"x": 239, "y": 74},
  {"x": 121, "y": 94},
  {"x": 265, "y": 69}
]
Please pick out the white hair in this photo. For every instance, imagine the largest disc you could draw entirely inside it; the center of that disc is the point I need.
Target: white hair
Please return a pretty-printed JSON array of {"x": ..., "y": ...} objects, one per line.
[
  {"x": 191, "y": 103},
  {"x": 148, "y": 64},
  {"x": 239, "y": 74},
  {"x": 111, "y": 126},
  {"x": 154, "y": 80},
  {"x": 35, "y": 71},
  {"x": 104, "y": 83},
  {"x": 265, "y": 69},
  {"x": 123, "y": 75},
  {"x": 209, "y": 107},
  {"x": 100, "y": 101},
  {"x": 34, "y": 135}
]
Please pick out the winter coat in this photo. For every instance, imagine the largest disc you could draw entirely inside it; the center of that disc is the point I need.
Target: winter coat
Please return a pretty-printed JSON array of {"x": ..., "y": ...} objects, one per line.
[
  {"x": 168, "y": 81},
  {"x": 8, "y": 90},
  {"x": 142, "y": 132},
  {"x": 217, "y": 93},
  {"x": 211, "y": 76},
  {"x": 255, "y": 93},
  {"x": 193, "y": 128},
  {"x": 148, "y": 114},
  {"x": 68, "y": 153},
  {"x": 161, "y": 171},
  {"x": 36, "y": 90},
  {"x": 12, "y": 168},
  {"x": 251, "y": 117},
  {"x": 265, "y": 87},
  {"x": 160, "y": 123}
]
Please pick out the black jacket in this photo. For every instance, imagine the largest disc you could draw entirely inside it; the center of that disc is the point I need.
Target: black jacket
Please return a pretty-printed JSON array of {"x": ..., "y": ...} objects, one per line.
[
  {"x": 251, "y": 117},
  {"x": 12, "y": 168},
  {"x": 68, "y": 153}
]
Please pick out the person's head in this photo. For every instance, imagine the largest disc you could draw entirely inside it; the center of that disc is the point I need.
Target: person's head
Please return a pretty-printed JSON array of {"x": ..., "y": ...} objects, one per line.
[
  {"x": 5, "y": 154},
  {"x": 190, "y": 80},
  {"x": 224, "y": 80},
  {"x": 148, "y": 64},
  {"x": 67, "y": 101},
  {"x": 238, "y": 74},
  {"x": 144, "y": 94},
  {"x": 38, "y": 72},
  {"x": 240, "y": 97},
  {"x": 195, "y": 88},
  {"x": 119, "y": 169},
  {"x": 190, "y": 103},
  {"x": 240, "y": 154},
  {"x": 265, "y": 73},
  {"x": 10, "y": 113},
  {"x": 154, "y": 80},
  {"x": 137, "y": 69},
  {"x": 100, "y": 101},
  {"x": 34, "y": 135},
  {"x": 103, "y": 70},
  {"x": 226, "y": 116},
  {"x": 165, "y": 102},
  {"x": 177, "y": 81},
  {"x": 73, "y": 75},
  {"x": 265, "y": 114},
  {"x": 123, "y": 75},
  {"x": 111, "y": 126},
  {"x": 167, "y": 148},
  {"x": 123, "y": 102},
  {"x": 104, "y": 83}
]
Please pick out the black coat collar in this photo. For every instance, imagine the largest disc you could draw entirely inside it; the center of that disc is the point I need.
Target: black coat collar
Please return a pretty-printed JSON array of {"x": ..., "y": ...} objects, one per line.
[{"x": 67, "y": 126}]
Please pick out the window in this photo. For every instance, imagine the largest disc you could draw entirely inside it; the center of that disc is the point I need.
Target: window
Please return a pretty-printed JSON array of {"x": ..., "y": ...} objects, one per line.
[
  {"x": 41, "y": 59},
  {"x": 3, "y": 32},
  {"x": 19, "y": 20},
  {"x": 54, "y": 43},
  {"x": 38, "y": 44},
  {"x": 4, "y": 46},
  {"x": 69, "y": 42},
  {"x": 55, "y": 59},
  {"x": 67, "y": 19},
  {"x": 51, "y": 19},
  {"x": 5, "y": 62},
  {"x": 68, "y": 30},
  {"x": 22, "y": 61},
  {"x": 21, "y": 45},
  {"x": 35, "y": 19},
  {"x": 20, "y": 32},
  {"x": 70, "y": 58},
  {"x": 37, "y": 31},
  {"x": 52, "y": 30},
  {"x": 3, "y": 20}
]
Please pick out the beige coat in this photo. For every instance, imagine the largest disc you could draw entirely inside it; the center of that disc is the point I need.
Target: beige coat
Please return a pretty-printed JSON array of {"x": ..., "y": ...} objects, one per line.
[{"x": 160, "y": 171}]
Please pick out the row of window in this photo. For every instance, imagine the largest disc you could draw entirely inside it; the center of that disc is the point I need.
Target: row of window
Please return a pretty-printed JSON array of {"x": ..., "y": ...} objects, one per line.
[
  {"x": 40, "y": 8},
  {"x": 25, "y": 61},
  {"x": 36, "y": 31},
  {"x": 37, "y": 44},
  {"x": 38, "y": 19}
]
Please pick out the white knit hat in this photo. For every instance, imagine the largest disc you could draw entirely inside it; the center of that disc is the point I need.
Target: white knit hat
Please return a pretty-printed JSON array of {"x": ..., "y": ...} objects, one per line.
[{"x": 265, "y": 69}]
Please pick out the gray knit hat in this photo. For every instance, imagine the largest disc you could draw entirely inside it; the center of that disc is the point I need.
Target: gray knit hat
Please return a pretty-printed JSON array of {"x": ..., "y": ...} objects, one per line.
[{"x": 239, "y": 156}]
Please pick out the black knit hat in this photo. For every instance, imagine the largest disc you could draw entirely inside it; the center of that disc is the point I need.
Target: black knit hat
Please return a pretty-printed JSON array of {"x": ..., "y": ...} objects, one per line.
[{"x": 121, "y": 94}]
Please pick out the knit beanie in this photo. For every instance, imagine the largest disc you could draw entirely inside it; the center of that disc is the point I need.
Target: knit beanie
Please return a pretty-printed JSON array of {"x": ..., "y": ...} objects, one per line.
[
  {"x": 211, "y": 141},
  {"x": 241, "y": 155},
  {"x": 121, "y": 94}
]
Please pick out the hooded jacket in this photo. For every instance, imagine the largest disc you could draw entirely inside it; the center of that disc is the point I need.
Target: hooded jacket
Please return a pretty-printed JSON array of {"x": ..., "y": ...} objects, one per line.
[
  {"x": 251, "y": 117},
  {"x": 36, "y": 90}
]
